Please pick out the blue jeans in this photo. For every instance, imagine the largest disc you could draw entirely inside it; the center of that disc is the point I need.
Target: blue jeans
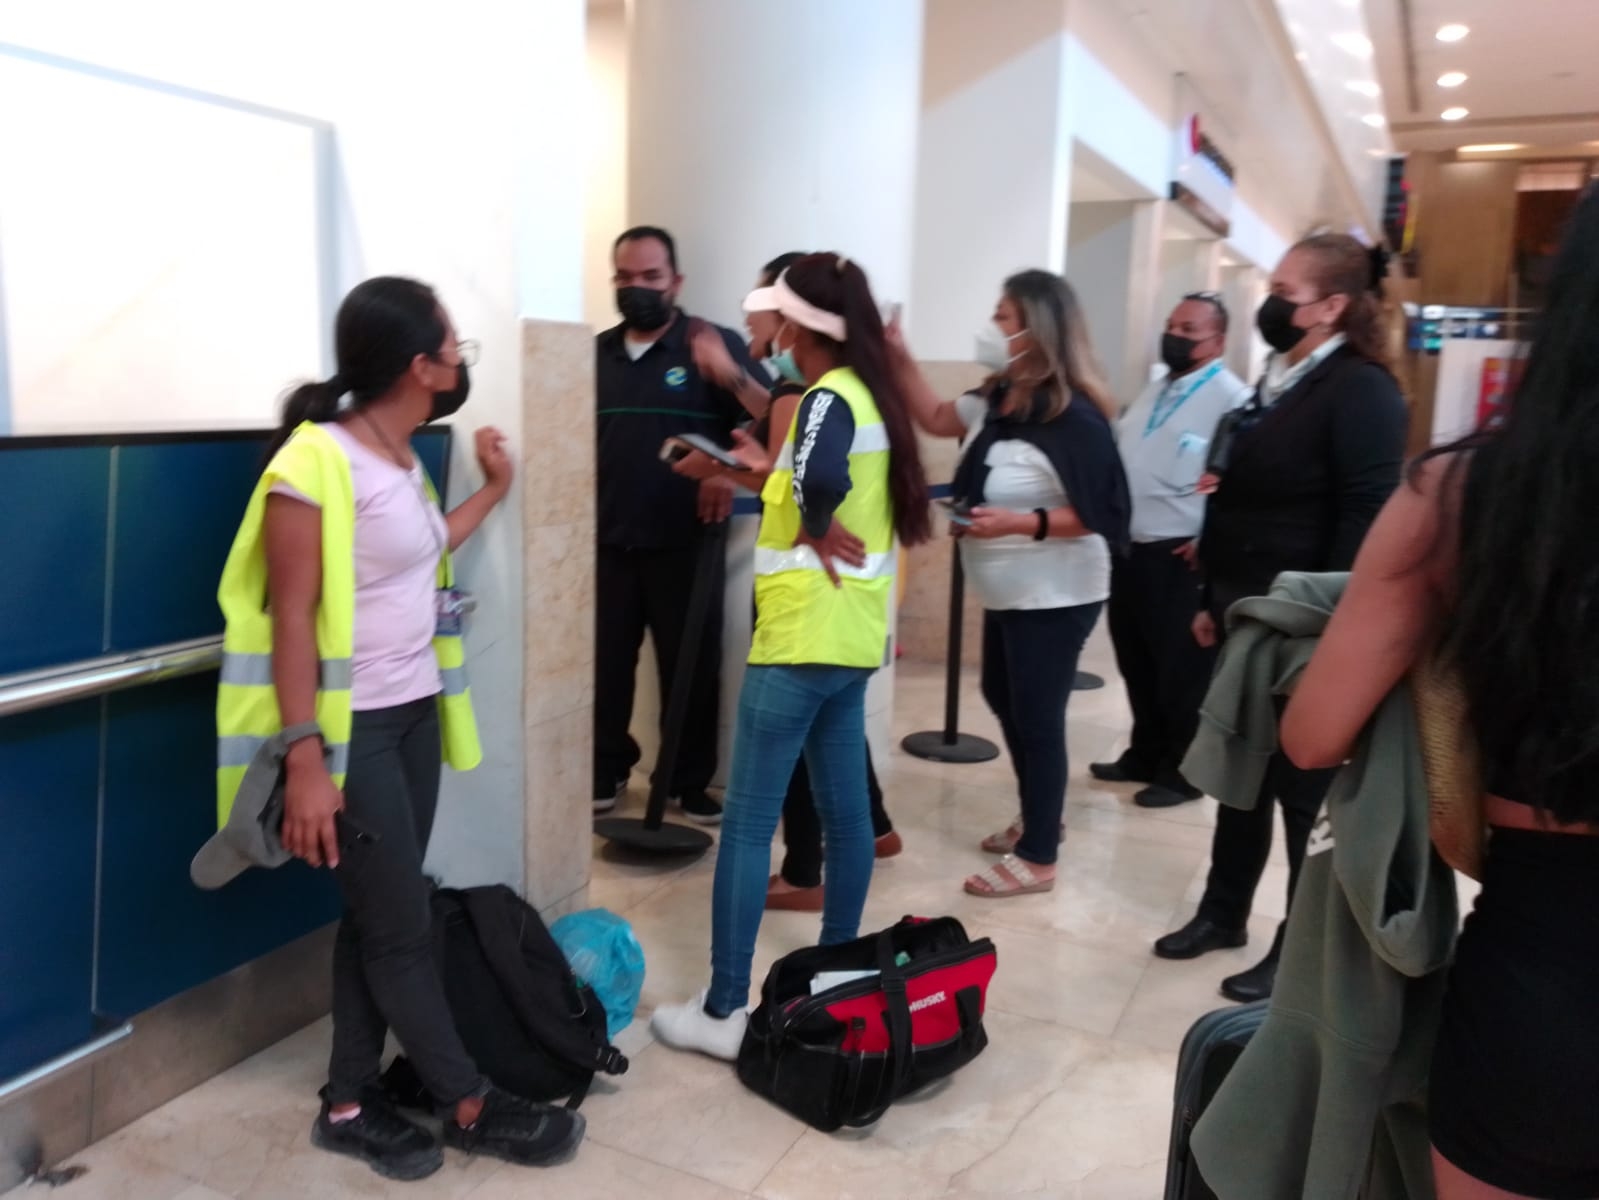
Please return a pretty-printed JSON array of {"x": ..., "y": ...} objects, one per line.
[{"x": 783, "y": 711}]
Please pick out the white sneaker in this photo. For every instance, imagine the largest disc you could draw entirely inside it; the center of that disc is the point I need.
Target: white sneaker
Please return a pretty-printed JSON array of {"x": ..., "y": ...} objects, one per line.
[{"x": 689, "y": 1027}]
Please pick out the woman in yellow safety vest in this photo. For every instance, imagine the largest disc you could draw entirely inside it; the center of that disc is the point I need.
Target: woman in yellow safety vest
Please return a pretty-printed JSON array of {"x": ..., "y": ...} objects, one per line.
[
  {"x": 848, "y": 481},
  {"x": 343, "y": 639}
]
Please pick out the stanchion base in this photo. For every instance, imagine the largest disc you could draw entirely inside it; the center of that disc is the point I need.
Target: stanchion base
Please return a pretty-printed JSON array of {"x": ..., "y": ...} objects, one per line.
[
  {"x": 1087, "y": 682},
  {"x": 635, "y": 834},
  {"x": 966, "y": 748}
]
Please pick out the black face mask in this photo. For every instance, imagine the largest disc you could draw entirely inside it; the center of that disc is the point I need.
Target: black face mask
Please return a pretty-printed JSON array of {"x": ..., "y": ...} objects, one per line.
[
  {"x": 1177, "y": 352},
  {"x": 643, "y": 308},
  {"x": 447, "y": 404},
  {"x": 1275, "y": 320}
]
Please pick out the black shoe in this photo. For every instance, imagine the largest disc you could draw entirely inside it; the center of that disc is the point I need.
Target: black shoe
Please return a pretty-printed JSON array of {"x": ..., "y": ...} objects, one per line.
[
  {"x": 1125, "y": 769},
  {"x": 1168, "y": 791},
  {"x": 1253, "y": 984},
  {"x": 700, "y": 808},
  {"x": 1198, "y": 937},
  {"x": 380, "y": 1137},
  {"x": 519, "y": 1131}
]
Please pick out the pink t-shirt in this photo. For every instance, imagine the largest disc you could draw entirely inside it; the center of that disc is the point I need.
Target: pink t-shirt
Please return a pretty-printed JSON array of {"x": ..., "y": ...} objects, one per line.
[{"x": 399, "y": 538}]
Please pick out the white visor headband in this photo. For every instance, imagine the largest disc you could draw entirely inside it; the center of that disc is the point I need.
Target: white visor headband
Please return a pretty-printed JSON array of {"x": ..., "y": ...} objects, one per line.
[{"x": 802, "y": 312}]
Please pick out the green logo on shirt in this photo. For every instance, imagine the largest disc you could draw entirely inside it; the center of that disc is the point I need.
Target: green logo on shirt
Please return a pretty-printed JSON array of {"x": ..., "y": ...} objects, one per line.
[{"x": 677, "y": 378}]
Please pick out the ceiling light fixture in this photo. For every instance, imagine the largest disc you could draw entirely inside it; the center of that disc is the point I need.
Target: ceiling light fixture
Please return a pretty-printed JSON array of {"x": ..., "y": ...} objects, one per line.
[
  {"x": 1451, "y": 79},
  {"x": 1357, "y": 44},
  {"x": 1455, "y": 114},
  {"x": 1364, "y": 87},
  {"x": 1493, "y": 147},
  {"x": 1454, "y": 33},
  {"x": 1375, "y": 120}
]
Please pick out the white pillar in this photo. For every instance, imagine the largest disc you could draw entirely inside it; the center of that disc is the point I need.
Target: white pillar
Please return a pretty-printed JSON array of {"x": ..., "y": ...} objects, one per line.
[
  {"x": 774, "y": 125},
  {"x": 756, "y": 128}
]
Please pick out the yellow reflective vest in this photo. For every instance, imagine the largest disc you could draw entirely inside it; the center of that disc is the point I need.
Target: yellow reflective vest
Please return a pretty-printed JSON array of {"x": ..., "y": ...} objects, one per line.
[
  {"x": 316, "y": 466},
  {"x": 801, "y": 618}
]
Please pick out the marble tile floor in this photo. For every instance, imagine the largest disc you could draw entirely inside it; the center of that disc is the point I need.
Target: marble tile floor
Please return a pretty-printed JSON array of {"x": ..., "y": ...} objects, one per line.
[{"x": 1071, "y": 1101}]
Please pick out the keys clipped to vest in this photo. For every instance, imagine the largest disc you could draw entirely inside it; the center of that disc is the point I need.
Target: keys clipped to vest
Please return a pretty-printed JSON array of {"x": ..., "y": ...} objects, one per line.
[{"x": 451, "y": 606}]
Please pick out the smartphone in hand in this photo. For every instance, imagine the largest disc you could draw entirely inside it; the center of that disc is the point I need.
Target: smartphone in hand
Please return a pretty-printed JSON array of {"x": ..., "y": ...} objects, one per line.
[
  {"x": 675, "y": 449},
  {"x": 956, "y": 511}
]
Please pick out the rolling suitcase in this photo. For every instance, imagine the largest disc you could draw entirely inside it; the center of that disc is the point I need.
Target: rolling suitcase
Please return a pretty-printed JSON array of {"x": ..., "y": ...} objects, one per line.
[{"x": 1209, "y": 1051}]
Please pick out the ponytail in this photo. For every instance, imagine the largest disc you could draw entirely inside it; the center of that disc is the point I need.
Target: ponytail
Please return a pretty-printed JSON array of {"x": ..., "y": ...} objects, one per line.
[
  {"x": 317, "y": 402},
  {"x": 381, "y": 327},
  {"x": 835, "y": 284}
]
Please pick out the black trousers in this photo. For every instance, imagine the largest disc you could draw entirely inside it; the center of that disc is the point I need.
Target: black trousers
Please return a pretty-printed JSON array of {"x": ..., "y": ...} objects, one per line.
[
  {"x": 650, "y": 589},
  {"x": 1029, "y": 665},
  {"x": 1154, "y": 595},
  {"x": 1242, "y": 841},
  {"x": 802, "y": 827},
  {"x": 384, "y": 972}
]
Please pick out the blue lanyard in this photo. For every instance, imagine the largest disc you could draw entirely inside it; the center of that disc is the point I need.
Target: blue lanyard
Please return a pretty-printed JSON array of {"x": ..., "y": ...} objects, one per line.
[{"x": 1170, "y": 399}]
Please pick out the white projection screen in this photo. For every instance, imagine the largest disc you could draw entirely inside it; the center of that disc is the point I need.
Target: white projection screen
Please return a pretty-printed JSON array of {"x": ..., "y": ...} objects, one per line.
[{"x": 161, "y": 254}]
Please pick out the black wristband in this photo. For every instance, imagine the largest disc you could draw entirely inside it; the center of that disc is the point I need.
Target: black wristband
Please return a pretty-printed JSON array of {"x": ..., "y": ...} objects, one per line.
[{"x": 1042, "y": 531}]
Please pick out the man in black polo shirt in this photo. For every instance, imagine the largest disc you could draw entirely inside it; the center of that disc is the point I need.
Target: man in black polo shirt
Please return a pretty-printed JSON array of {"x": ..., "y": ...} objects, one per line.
[{"x": 650, "y": 386}]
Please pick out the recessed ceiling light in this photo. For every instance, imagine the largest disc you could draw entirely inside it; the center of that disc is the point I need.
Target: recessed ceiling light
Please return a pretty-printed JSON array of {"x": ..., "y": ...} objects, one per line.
[
  {"x": 1375, "y": 120},
  {"x": 1493, "y": 147},
  {"x": 1451, "y": 79},
  {"x": 1455, "y": 114},
  {"x": 1364, "y": 87},
  {"x": 1453, "y": 33},
  {"x": 1357, "y": 44}
]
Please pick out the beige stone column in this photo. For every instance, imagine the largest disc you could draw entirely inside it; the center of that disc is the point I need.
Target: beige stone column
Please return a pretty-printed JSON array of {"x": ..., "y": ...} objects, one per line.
[{"x": 558, "y": 611}]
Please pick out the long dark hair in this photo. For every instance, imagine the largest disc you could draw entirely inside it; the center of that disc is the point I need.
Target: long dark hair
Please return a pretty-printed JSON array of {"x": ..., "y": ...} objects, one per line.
[
  {"x": 1342, "y": 266},
  {"x": 833, "y": 283},
  {"x": 1524, "y": 629},
  {"x": 383, "y": 324},
  {"x": 778, "y": 265}
]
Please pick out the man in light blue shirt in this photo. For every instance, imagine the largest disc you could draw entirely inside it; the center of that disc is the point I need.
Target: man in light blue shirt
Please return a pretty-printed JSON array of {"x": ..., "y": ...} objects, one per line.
[{"x": 1164, "y": 439}]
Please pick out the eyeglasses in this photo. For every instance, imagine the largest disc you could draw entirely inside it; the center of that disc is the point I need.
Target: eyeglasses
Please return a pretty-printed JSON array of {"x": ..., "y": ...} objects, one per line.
[{"x": 466, "y": 351}]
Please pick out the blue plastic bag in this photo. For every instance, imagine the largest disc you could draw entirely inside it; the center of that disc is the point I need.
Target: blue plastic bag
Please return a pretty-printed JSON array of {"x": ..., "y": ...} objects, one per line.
[{"x": 604, "y": 954}]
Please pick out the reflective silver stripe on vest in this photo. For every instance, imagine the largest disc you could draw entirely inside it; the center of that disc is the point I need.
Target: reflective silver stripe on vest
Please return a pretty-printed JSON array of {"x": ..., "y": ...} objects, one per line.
[
  {"x": 240, "y": 749},
  {"x": 255, "y": 670},
  {"x": 869, "y": 439},
  {"x": 454, "y": 680},
  {"x": 804, "y": 558}
]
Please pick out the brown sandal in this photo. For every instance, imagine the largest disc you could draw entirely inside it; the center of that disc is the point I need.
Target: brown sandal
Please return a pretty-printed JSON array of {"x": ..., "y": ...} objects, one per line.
[
  {"x": 1004, "y": 843},
  {"x": 1010, "y": 876},
  {"x": 792, "y": 899}
]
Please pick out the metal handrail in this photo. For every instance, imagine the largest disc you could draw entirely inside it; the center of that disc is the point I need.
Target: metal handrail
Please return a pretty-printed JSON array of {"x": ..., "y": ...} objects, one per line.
[
  {"x": 101, "y": 676},
  {"x": 19, "y": 1085}
]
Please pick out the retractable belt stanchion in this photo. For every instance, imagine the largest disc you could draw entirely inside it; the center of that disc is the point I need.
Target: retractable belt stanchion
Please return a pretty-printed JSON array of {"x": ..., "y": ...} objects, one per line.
[
  {"x": 949, "y": 744},
  {"x": 653, "y": 834}
]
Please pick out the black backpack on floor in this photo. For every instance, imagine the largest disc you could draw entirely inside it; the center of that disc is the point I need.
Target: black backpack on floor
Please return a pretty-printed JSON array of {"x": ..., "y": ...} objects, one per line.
[{"x": 527, "y": 1022}]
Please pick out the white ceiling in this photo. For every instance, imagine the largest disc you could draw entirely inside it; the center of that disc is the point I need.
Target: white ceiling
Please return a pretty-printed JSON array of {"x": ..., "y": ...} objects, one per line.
[{"x": 1532, "y": 67}]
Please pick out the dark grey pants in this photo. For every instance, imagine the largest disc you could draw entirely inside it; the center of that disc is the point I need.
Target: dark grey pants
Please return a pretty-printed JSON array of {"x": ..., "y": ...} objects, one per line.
[{"x": 384, "y": 973}]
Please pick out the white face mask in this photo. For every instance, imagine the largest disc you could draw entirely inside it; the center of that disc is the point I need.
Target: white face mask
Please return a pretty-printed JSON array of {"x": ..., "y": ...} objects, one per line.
[{"x": 993, "y": 348}]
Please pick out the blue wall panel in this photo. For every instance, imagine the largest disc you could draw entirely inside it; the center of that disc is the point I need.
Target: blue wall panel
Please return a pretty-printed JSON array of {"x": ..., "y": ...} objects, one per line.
[
  {"x": 49, "y": 770},
  {"x": 161, "y": 935},
  {"x": 53, "y": 526},
  {"x": 177, "y": 508}
]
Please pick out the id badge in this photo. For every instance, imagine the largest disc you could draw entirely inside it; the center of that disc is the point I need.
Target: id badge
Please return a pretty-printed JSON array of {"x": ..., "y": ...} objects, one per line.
[{"x": 450, "y": 608}]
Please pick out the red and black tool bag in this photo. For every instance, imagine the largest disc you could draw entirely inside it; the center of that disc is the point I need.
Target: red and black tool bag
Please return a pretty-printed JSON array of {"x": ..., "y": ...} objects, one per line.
[{"x": 841, "y": 1057}]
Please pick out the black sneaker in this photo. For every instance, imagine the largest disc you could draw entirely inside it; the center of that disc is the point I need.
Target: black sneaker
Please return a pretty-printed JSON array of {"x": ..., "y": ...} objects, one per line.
[
  {"x": 519, "y": 1131},
  {"x": 700, "y": 808},
  {"x": 380, "y": 1137},
  {"x": 1125, "y": 769},
  {"x": 606, "y": 795}
]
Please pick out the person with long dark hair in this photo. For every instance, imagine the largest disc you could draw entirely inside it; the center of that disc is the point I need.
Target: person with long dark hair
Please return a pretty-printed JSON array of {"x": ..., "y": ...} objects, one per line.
[
  {"x": 1487, "y": 557},
  {"x": 849, "y": 484},
  {"x": 1041, "y": 505},
  {"x": 342, "y": 640},
  {"x": 1298, "y": 475}
]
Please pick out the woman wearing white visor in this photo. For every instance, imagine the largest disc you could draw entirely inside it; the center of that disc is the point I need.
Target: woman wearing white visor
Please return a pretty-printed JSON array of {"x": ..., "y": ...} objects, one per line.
[{"x": 849, "y": 480}]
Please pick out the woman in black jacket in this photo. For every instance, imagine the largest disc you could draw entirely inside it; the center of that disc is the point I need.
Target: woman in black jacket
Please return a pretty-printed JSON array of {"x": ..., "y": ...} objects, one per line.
[{"x": 1299, "y": 473}]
